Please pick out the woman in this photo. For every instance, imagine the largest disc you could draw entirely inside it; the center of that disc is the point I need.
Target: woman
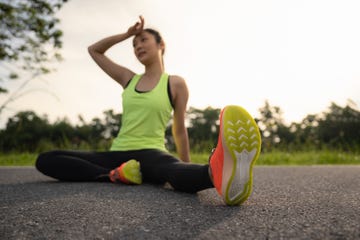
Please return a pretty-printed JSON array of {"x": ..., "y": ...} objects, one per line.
[{"x": 138, "y": 152}]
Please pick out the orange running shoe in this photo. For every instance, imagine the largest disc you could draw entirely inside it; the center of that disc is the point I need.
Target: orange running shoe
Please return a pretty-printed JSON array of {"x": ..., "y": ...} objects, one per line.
[
  {"x": 232, "y": 161},
  {"x": 128, "y": 172}
]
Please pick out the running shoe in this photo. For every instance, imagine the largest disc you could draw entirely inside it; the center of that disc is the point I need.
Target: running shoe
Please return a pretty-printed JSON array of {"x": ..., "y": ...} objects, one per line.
[
  {"x": 128, "y": 173},
  {"x": 232, "y": 161}
]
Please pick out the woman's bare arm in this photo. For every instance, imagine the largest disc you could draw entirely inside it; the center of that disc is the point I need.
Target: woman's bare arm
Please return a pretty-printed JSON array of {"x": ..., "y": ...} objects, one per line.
[
  {"x": 97, "y": 51},
  {"x": 180, "y": 97}
]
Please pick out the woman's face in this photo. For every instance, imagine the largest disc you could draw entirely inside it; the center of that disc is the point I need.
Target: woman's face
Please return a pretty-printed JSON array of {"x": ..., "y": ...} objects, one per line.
[{"x": 146, "y": 48}]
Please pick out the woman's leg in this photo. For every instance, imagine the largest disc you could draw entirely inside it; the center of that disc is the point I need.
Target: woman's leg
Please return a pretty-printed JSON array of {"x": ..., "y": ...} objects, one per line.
[
  {"x": 160, "y": 167},
  {"x": 156, "y": 167},
  {"x": 79, "y": 166},
  {"x": 188, "y": 177}
]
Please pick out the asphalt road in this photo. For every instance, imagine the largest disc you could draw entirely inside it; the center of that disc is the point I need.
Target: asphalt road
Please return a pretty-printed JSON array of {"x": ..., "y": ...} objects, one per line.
[{"x": 320, "y": 202}]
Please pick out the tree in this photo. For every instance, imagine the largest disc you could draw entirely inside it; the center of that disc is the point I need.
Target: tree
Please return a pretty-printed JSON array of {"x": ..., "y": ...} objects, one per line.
[
  {"x": 29, "y": 40},
  {"x": 339, "y": 127},
  {"x": 24, "y": 131},
  {"x": 306, "y": 132},
  {"x": 204, "y": 128},
  {"x": 272, "y": 127}
]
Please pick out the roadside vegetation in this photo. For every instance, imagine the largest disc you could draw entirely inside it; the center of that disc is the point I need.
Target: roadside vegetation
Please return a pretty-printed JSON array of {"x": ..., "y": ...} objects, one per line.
[
  {"x": 331, "y": 137},
  {"x": 321, "y": 157}
]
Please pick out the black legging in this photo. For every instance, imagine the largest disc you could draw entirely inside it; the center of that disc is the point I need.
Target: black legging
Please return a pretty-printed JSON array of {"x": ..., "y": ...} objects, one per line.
[{"x": 156, "y": 167}]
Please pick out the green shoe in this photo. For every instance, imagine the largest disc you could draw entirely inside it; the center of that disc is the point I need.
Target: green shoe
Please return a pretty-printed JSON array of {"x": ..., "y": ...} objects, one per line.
[{"x": 128, "y": 173}]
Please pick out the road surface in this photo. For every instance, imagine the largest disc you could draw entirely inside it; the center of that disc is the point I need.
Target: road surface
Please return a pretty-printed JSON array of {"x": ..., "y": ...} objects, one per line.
[{"x": 312, "y": 202}]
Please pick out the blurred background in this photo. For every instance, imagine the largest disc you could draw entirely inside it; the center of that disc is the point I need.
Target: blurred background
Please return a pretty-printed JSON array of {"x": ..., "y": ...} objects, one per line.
[{"x": 294, "y": 65}]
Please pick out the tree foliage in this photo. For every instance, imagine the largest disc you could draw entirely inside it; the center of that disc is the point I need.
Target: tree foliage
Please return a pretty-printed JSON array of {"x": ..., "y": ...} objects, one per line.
[
  {"x": 28, "y": 29},
  {"x": 30, "y": 40},
  {"x": 203, "y": 127},
  {"x": 272, "y": 126},
  {"x": 337, "y": 127},
  {"x": 26, "y": 131},
  {"x": 340, "y": 126}
]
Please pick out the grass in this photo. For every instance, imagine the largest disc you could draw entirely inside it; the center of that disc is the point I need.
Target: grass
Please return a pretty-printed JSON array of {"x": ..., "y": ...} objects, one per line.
[
  {"x": 297, "y": 158},
  {"x": 308, "y": 158},
  {"x": 18, "y": 159},
  {"x": 271, "y": 158}
]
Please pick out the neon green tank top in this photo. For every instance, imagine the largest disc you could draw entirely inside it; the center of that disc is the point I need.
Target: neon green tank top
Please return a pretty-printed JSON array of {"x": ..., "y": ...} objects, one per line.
[{"x": 145, "y": 117}]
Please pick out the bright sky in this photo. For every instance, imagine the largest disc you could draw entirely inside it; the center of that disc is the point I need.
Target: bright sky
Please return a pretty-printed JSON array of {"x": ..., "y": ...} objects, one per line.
[{"x": 298, "y": 55}]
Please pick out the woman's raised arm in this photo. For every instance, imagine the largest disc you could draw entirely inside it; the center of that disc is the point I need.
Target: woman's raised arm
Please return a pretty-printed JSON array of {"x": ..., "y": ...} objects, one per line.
[{"x": 97, "y": 51}]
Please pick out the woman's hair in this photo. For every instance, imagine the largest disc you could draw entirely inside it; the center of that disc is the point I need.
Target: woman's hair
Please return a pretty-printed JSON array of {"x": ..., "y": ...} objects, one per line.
[{"x": 156, "y": 35}]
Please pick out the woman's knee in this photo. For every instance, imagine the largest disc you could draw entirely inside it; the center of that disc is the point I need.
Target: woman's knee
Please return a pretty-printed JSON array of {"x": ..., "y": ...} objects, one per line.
[{"x": 43, "y": 160}]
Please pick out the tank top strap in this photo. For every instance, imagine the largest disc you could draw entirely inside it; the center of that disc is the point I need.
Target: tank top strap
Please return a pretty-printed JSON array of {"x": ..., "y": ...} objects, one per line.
[
  {"x": 135, "y": 79},
  {"x": 164, "y": 81}
]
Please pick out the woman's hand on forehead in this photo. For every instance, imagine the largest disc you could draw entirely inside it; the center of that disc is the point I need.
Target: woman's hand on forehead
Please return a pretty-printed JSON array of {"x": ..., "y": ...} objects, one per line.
[{"x": 137, "y": 28}]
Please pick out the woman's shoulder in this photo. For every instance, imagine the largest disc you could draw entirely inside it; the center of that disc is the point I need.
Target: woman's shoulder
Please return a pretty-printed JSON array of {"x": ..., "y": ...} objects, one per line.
[
  {"x": 178, "y": 86},
  {"x": 177, "y": 80}
]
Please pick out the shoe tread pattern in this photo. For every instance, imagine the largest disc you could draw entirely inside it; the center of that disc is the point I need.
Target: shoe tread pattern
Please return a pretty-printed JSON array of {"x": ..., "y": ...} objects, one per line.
[{"x": 242, "y": 138}]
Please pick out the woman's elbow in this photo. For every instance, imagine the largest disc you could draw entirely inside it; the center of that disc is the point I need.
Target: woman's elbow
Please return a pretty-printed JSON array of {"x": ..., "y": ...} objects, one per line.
[{"x": 91, "y": 50}]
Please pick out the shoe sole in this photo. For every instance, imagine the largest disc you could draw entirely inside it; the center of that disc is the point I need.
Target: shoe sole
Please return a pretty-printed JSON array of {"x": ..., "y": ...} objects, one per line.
[
  {"x": 132, "y": 173},
  {"x": 241, "y": 142}
]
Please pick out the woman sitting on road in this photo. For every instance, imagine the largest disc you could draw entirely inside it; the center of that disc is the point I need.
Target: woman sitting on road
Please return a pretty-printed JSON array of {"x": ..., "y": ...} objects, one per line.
[{"x": 138, "y": 153}]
